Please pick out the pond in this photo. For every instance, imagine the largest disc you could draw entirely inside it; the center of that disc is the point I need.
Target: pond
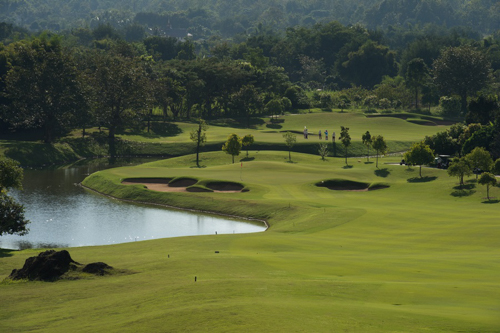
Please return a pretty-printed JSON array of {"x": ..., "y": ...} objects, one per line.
[{"x": 63, "y": 214}]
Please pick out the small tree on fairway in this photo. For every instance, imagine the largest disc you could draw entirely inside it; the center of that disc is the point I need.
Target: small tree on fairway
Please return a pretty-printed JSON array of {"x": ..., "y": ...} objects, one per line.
[
  {"x": 232, "y": 145},
  {"x": 345, "y": 138},
  {"x": 290, "y": 140},
  {"x": 367, "y": 141},
  {"x": 419, "y": 154},
  {"x": 323, "y": 150},
  {"x": 199, "y": 136},
  {"x": 480, "y": 158},
  {"x": 379, "y": 145},
  {"x": 487, "y": 179},
  {"x": 247, "y": 141},
  {"x": 460, "y": 167}
]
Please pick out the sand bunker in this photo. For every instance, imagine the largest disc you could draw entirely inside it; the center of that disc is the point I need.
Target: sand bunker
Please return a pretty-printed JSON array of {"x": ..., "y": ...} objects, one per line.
[
  {"x": 183, "y": 185},
  {"x": 226, "y": 187},
  {"x": 349, "y": 185}
]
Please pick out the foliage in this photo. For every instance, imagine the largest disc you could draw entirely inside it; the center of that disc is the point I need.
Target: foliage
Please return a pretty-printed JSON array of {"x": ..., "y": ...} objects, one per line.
[
  {"x": 487, "y": 179},
  {"x": 482, "y": 110},
  {"x": 359, "y": 68},
  {"x": 419, "y": 154},
  {"x": 290, "y": 140},
  {"x": 12, "y": 220},
  {"x": 247, "y": 140},
  {"x": 461, "y": 70},
  {"x": 232, "y": 146},
  {"x": 496, "y": 167},
  {"x": 450, "y": 106},
  {"x": 480, "y": 159},
  {"x": 43, "y": 87}
]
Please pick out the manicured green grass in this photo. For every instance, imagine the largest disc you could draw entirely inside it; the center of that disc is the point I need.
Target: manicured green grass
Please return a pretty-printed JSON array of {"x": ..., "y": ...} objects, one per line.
[
  {"x": 392, "y": 128},
  {"x": 421, "y": 255},
  {"x": 172, "y": 139}
]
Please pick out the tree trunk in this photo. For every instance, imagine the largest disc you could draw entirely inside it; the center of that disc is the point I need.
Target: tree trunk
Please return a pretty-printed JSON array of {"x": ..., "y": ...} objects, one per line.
[
  {"x": 463, "y": 103},
  {"x": 416, "y": 98}
]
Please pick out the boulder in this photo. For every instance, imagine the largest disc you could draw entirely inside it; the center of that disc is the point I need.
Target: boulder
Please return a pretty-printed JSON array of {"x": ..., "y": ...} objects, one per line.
[
  {"x": 47, "y": 266},
  {"x": 97, "y": 268}
]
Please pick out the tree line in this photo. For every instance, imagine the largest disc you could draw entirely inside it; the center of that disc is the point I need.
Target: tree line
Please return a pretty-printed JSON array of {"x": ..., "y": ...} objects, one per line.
[{"x": 62, "y": 82}]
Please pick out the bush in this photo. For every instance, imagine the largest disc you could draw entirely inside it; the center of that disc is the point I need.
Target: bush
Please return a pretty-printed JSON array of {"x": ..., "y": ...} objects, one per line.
[{"x": 450, "y": 106}]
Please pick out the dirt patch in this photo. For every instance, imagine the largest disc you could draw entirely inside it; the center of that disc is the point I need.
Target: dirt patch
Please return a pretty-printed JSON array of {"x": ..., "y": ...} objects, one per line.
[{"x": 162, "y": 184}]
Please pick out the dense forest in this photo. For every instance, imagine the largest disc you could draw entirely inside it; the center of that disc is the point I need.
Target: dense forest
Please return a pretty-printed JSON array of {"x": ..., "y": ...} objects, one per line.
[{"x": 228, "y": 18}]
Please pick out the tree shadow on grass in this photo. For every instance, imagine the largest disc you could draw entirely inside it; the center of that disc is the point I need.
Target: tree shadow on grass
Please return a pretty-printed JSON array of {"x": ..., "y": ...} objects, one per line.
[
  {"x": 347, "y": 167},
  {"x": 370, "y": 162},
  {"x": 158, "y": 129},
  {"x": 382, "y": 172},
  {"x": 465, "y": 187},
  {"x": 421, "y": 179},
  {"x": 491, "y": 201},
  {"x": 247, "y": 159},
  {"x": 6, "y": 253},
  {"x": 462, "y": 192},
  {"x": 274, "y": 126}
]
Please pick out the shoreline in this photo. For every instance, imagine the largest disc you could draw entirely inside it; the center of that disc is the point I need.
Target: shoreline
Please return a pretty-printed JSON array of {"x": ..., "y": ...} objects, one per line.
[{"x": 266, "y": 224}]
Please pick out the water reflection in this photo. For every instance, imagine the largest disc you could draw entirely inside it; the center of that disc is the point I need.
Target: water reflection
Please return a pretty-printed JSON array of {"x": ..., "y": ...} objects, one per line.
[{"x": 65, "y": 215}]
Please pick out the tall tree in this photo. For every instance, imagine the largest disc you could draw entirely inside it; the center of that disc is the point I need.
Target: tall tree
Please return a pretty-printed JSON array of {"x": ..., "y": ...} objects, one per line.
[
  {"x": 232, "y": 146},
  {"x": 367, "y": 141},
  {"x": 44, "y": 87},
  {"x": 416, "y": 76},
  {"x": 345, "y": 138},
  {"x": 419, "y": 154},
  {"x": 121, "y": 89},
  {"x": 379, "y": 145},
  {"x": 462, "y": 71},
  {"x": 199, "y": 136},
  {"x": 12, "y": 220}
]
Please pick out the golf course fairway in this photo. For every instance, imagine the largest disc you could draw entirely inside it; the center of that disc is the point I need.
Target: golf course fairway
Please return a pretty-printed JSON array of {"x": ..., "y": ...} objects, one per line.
[{"x": 415, "y": 255}]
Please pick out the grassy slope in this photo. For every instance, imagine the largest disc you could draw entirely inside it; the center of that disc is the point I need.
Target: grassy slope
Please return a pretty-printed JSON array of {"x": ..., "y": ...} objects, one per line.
[
  {"x": 418, "y": 256},
  {"x": 399, "y": 133},
  {"x": 393, "y": 129}
]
